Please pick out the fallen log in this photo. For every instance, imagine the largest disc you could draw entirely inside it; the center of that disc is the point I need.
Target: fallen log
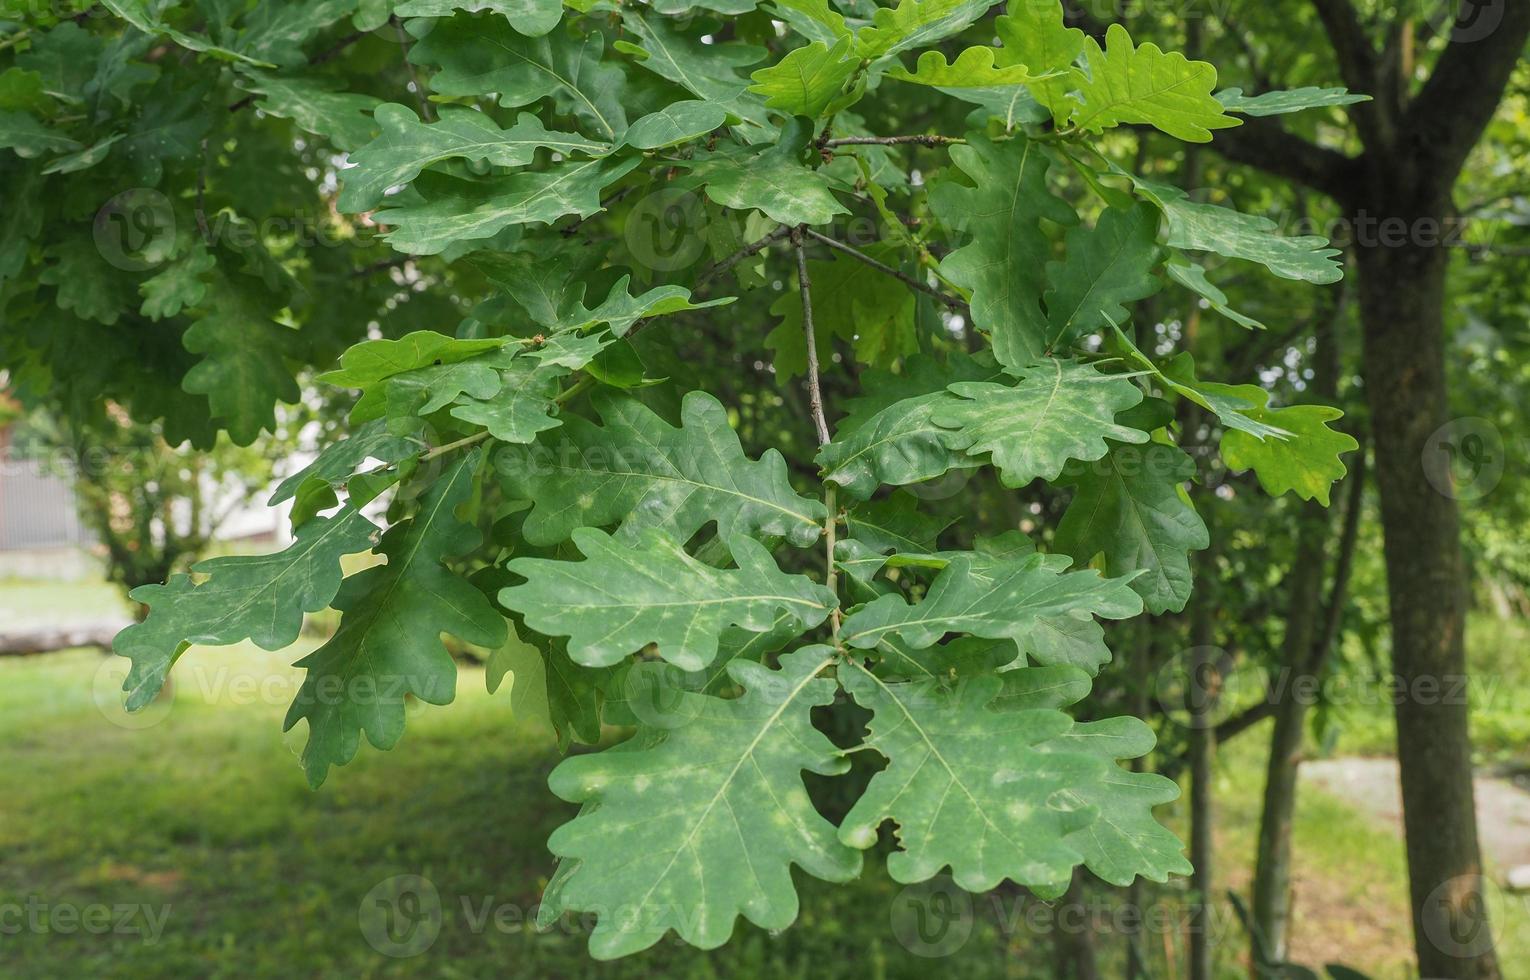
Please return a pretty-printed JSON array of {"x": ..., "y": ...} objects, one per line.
[{"x": 27, "y": 642}]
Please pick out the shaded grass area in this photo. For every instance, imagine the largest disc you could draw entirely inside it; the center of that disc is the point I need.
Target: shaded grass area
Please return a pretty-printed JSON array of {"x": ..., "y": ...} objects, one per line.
[{"x": 203, "y": 818}]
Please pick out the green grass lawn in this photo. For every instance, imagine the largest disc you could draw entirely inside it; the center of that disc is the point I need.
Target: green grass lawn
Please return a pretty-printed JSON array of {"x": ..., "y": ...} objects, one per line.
[{"x": 202, "y": 821}]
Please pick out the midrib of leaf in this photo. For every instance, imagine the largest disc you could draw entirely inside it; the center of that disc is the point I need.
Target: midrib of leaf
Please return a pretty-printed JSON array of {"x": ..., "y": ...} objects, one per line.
[
  {"x": 384, "y": 606},
  {"x": 332, "y": 528},
  {"x": 746, "y": 755},
  {"x": 566, "y": 83},
  {"x": 1130, "y": 97},
  {"x": 664, "y": 477},
  {"x": 935, "y": 752},
  {"x": 1122, "y": 247},
  {"x": 1135, "y": 509}
]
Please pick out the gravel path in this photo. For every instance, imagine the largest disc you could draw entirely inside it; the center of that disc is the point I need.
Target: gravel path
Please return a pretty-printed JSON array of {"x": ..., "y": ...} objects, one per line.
[{"x": 1503, "y": 809}]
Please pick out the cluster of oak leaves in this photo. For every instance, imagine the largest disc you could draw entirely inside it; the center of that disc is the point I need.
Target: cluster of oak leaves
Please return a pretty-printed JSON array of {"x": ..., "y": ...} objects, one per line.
[{"x": 715, "y": 656}]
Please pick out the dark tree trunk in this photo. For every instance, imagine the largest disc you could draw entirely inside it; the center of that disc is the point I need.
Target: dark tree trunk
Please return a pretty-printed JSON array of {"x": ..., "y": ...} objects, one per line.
[
  {"x": 1402, "y": 291},
  {"x": 1073, "y": 934},
  {"x": 1272, "y": 875},
  {"x": 1204, "y": 692}
]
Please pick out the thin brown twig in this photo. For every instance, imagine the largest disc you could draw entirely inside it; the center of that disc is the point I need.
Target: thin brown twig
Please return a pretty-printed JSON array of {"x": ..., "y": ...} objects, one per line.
[
  {"x": 748, "y": 251},
  {"x": 820, "y": 422},
  {"x": 426, "y": 112},
  {"x": 805, "y": 290},
  {"x": 920, "y": 139},
  {"x": 955, "y": 302},
  {"x": 334, "y": 51},
  {"x": 202, "y": 226}
]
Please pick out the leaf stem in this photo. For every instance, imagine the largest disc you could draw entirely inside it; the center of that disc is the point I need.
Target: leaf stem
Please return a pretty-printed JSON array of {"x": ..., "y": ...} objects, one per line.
[
  {"x": 820, "y": 422},
  {"x": 805, "y": 290},
  {"x": 956, "y": 303}
]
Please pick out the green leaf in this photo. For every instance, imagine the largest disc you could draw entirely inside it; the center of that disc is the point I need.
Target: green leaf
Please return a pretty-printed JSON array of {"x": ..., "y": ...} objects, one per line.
[
  {"x": 459, "y": 211},
  {"x": 86, "y": 284},
  {"x": 1145, "y": 85},
  {"x": 624, "y": 597},
  {"x": 775, "y": 181},
  {"x": 813, "y": 19},
  {"x": 639, "y": 471},
  {"x": 707, "y": 71},
  {"x": 1107, "y": 267},
  {"x": 339, "y": 461},
  {"x": 1131, "y": 509},
  {"x": 703, "y": 823},
  {"x": 178, "y": 285},
  {"x": 1193, "y": 277},
  {"x": 261, "y": 599},
  {"x": 1294, "y": 100},
  {"x": 1032, "y": 817},
  {"x": 1209, "y": 228},
  {"x": 407, "y": 146},
  {"x": 530, "y": 17},
  {"x": 1058, "y": 411},
  {"x": 916, "y": 24},
  {"x": 894, "y": 523},
  {"x": 1126, "y": 841},
  {"x": 993, "y": 598},
  {"x": 809, "y": 81},
  {"x": 1034, "y": 34},
  {"x": 889, "y": 438},
  {"x": 243, "y": 370},
  {"x": 388, "y": 644},
  {"x": 314, "y": 106},
  {"x": 371, "y": 364},
  {"x": 521, "y": 402},
  {"x": 478, "y": 56},
  {"x": 29, "y": 138},
  {"x": 973, "y": 68},
  {"x": 853, "y": 302},
  {"x": 678, "y": 122},
  {"x": 144, "y": 15},
  {"x": 22, "y": 91},
  {"x": 1308, "y": 463},
  {"x": 1004, "y": 265}
]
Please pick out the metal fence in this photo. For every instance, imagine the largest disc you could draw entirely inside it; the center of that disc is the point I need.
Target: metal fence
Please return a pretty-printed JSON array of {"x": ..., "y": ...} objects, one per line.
[{"x": 37, "y": 510}]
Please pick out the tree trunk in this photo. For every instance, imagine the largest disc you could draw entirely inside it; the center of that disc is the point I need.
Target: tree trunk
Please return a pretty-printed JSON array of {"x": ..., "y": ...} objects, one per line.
[
  {"x": 1402, "y": 291},
  {"x": 1073, "y": 934},
  {"x": 1204, "y": 692},
  {"x": 1272, "y": 869},
  {"x": 1304, "y": 654}
]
